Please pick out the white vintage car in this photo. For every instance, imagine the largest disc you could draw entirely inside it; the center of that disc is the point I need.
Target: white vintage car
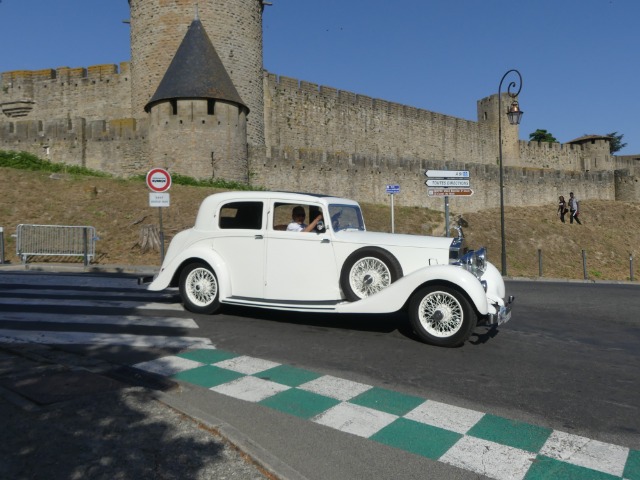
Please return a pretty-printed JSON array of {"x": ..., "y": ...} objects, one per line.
[{"x": 240, "y": 252}]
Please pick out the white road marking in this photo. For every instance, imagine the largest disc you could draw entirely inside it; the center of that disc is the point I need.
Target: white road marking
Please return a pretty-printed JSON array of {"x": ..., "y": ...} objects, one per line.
[
  {"x": 490, "y": 459},
  {"x": 85, "y": 338},
  {"x": 585, "y": 452},
  {"x": 334, "y": 387},
  {"x": 445, "y": 416},
  {"x": 96, "y": 302},
  {"x": 356, "y": 419},
  {"x": 128, "y": 320},
  {"x": 251, "y": 389}
]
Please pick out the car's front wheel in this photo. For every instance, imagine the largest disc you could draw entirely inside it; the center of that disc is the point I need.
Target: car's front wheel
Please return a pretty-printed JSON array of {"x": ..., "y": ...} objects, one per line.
[
  {"x": 199, "y": 288},
  {"x": 367, "y": 271},
  {"x": 441, "y": 316}
]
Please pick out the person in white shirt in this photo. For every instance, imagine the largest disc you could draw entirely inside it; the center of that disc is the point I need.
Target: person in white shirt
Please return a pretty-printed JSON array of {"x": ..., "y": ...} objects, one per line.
[
  {"x": 574, "y": 206},
  {"x": 297, "y": 221}
]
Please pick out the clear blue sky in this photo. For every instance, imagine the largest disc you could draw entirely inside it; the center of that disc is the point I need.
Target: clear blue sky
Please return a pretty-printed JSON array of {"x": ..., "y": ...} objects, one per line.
[{"x": 579, "y": 59}]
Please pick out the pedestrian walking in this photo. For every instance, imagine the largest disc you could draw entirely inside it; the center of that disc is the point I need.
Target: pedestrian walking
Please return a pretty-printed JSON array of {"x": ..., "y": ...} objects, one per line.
[
  {"x": 574, "y": 209},
  {"x": 562, "y": 208}
]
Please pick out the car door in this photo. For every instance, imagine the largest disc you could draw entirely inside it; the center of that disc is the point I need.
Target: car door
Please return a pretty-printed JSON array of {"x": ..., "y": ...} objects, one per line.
[
  {"x": 299, "y": 266},
  {"x": 241, "y": 244}
]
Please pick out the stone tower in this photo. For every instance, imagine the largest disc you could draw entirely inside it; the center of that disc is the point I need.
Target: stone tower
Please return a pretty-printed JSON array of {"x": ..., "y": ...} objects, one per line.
[
  {"x": 488, "y": 115},
  {"x": 235, "y": 29},
  {"x": 198, "y": 122}
]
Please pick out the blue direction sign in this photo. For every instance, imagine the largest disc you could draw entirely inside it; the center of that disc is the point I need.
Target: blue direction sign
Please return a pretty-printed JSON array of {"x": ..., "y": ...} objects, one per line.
[{"x": 393, "y": 189}]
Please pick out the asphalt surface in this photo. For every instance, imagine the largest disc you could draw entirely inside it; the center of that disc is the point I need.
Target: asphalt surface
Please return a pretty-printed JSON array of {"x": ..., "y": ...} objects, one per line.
[{"x": 65, "y": 417}]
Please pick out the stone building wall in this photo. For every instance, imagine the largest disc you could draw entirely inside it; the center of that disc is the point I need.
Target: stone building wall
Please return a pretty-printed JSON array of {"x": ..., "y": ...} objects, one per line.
[
  {"x": 364, "y": 178},
  {"x": 99, "y": 92},
  {"x": 303, "y": 115},
  {"x": 202, "y": 139}
]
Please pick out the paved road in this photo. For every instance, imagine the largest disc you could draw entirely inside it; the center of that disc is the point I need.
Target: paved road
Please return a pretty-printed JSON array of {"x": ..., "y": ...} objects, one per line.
[{"x": 566, "y": 363}]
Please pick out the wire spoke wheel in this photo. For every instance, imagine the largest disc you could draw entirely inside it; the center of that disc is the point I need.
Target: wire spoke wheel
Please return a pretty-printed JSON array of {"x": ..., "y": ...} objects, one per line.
[
  {"x": 202, "y": 287},
  {"x": 368, "y": 276},
  {"x": 440, "y": 314},
  {"x": 199, "y": 289}
]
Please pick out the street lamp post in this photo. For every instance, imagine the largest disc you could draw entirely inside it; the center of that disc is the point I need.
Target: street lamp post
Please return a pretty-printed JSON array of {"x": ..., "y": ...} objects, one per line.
[{"x": 514, "y": 114}]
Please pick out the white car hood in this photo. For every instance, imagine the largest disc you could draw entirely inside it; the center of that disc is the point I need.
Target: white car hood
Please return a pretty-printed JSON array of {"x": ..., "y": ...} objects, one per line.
[{"x": 392, "y": 239}]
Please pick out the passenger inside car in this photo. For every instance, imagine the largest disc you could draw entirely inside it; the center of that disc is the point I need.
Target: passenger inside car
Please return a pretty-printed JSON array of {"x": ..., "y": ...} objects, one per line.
[{"x": 297, "y": 221}]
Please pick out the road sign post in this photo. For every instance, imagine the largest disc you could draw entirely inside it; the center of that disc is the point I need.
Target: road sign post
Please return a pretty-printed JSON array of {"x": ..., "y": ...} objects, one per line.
[
  {"x": 446, "y": 183},
  {"x": 392, "y": 190},
  {"x": 159, "y": 181}
]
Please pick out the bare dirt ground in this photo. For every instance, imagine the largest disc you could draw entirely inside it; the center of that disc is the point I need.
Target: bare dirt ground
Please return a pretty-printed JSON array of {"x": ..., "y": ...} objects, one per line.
[{"x": 119, "y": 209}]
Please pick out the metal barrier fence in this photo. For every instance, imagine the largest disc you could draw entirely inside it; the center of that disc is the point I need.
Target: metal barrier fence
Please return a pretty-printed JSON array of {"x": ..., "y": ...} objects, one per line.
[{"x": 56, "y": 240}]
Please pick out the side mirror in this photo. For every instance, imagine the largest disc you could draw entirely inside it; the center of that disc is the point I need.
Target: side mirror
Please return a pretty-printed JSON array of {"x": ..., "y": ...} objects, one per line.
[{"x": 320, "y": 226}]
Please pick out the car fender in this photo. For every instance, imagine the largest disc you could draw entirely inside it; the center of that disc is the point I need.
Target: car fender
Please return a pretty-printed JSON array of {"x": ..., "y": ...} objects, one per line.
[
  {"x": 168, "y": 271},
  {"x": 393, "y": 298},
  {"x": 496, "y": 290}
]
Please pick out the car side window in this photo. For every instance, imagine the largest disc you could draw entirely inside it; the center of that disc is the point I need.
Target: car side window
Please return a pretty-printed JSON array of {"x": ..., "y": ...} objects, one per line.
[
  {"x": 282, "y": 214},
  {"x": 241, "y": 215}
]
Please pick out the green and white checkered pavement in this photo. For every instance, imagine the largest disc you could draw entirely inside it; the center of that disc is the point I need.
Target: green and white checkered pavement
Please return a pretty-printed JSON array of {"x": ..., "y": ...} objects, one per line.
[{"x": 479, "y": 442}]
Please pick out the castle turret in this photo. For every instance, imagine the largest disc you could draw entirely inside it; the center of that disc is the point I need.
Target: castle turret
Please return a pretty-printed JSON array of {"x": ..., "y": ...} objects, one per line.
[
  {"x": 198, "y": 121},
  {"x": 235, "y": 29},
  {"x": 488, "y": 114}
]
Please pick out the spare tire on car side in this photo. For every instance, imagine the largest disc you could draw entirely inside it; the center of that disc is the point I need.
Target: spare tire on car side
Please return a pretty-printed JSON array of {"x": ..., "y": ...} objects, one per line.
[{"x": 367, "y": 271}]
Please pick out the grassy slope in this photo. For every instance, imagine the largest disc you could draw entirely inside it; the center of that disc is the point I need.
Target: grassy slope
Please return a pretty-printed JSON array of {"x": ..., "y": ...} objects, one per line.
[{"x": 119, "y": 208}]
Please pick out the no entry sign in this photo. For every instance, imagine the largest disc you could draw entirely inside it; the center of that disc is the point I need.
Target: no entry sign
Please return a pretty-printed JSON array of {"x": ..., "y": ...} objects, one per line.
[{"x": 158, "y": 180}]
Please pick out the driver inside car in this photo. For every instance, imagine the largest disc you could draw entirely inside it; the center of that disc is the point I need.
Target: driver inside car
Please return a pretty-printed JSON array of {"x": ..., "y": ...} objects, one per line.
[{"x": 297, "y": 221}]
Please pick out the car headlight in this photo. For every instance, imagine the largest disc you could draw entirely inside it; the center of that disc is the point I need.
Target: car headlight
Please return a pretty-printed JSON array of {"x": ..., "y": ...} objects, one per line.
[{"x": 475, "y": 261}]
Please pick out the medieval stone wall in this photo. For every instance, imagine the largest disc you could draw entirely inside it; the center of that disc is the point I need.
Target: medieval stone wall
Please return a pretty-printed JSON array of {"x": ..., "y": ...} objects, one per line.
[
  {"x": 201, "y": 139},
  {"x": 303, "y": 115},
  {"x": 319, "y": 139},
  {"x": 99, "y": 92}
]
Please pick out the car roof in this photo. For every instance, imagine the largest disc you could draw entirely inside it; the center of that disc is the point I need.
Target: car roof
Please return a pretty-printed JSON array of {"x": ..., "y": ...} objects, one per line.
[
  {"x": 212, "y": 202},
  {"x": 281, "y": 195}
]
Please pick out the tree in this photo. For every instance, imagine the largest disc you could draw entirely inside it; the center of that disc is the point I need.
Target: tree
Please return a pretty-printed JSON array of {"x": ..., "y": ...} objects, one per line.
[
  {"x": 542, "y": 136},
  {"x": 616, "y": 142}
]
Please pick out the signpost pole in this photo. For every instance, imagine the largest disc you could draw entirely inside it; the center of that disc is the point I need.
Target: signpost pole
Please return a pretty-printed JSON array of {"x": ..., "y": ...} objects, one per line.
[
  {"x": 446, "y": 215},
  {"x": 161, "y": 237},
  {"x": 392, "y": 190},
  {"x": 392, "y": 219},
  {"x": 159, "y": 181}
]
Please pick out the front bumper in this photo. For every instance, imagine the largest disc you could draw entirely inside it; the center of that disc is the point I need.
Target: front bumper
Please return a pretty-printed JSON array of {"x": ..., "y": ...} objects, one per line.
[{"x": 503, "y": 315}]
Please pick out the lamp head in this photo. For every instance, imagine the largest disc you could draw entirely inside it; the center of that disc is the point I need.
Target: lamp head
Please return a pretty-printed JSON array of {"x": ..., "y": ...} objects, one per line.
[{"x": 514, "y": 114}]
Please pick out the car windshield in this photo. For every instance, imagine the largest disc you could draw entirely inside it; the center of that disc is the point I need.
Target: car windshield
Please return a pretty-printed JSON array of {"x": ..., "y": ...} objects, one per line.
[{"x": 346, "y": 217}]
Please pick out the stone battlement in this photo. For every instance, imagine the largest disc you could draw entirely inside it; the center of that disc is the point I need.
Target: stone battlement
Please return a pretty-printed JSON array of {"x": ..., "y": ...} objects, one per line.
[{"x": 18, "y": 78}]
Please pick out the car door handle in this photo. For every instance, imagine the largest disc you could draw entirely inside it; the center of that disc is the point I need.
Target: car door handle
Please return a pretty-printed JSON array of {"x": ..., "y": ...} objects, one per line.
[
  {"x": 325, "y": 240},
  {"x": 258, "y": 237}
]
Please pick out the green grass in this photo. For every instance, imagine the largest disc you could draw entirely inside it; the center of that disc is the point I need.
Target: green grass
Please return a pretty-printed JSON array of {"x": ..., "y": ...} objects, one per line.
[{"x": 27, "y": 161}]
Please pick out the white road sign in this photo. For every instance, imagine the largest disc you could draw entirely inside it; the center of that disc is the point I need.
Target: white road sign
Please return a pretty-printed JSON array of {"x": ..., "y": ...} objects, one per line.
[
  {"x": 447, "y": 173},
  {"x": 159, "y": 199},
  {"x": 447, "y": 182}
]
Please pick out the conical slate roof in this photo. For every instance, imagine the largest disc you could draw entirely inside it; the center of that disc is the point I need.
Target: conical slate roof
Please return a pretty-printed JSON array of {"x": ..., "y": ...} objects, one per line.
[{"x": 196, "y": 71}]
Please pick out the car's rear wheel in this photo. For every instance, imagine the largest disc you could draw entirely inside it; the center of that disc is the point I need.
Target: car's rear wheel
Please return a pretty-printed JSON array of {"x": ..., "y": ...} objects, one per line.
[
  {"x": 199, "y": 288},
  {"x": 367, "y": 271},
  {"x": 441, "y": 316}
]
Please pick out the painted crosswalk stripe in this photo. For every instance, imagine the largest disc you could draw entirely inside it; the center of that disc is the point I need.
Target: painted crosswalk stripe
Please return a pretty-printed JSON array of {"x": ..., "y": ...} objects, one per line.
[
  {"x": 128, "y": 320},
  {"x": 86, "y": 338},
  {"x": 497, "y": 447},
  {"x": 95, "y": 302}
]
